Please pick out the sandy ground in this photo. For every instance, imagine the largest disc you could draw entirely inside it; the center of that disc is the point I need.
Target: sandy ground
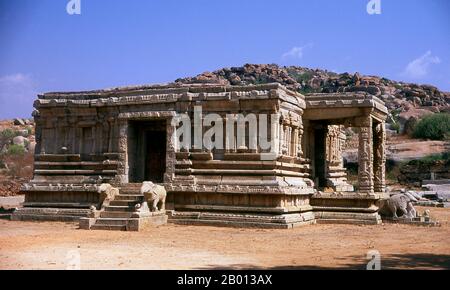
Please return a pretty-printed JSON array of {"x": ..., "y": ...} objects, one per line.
[
  {"x": 27, "y": 245},
  {"x": 402, "y": 148}
]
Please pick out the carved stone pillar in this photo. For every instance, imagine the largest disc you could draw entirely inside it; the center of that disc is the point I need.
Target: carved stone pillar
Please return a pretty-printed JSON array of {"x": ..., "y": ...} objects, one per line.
[
  {"x": 170, "y": 151},
  {"x": 112, "y": 132},
  {"x": 299, "y": 151},
  {"x": 274, "y": 134},
  {"x": 123, "y": 168},
  {"x": 286, "y": 137},
  {"x": 281, "y": 136},
  {"x": 288, "y": 141},
  {"x": 295, "y": 140},
  {"x": 306, "y": 137},
  {"x": 230, "y": 133},
  {"x": 38, "y": 137},
  {"x": 365, "y": 156},
  {"x": 241, "y": 135},
  {"x": 379, "y": 162}
]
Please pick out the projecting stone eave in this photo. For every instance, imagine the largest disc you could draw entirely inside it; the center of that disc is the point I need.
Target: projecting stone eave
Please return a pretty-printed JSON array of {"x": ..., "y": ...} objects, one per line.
[
  {"x": 325, "y": 105},
  {"x": 161, "y": 89},
  {"x": 169, "y": 93}
]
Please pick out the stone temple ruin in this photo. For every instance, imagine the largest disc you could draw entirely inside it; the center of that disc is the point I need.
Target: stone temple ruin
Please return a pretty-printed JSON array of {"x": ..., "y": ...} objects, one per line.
[{"x": 126, "y": 136}]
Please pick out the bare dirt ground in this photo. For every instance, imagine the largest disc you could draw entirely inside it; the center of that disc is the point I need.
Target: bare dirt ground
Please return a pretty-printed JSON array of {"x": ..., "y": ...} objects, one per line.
[
  {"x": 26, "y": 245},
  {"x": 403, "y": 148}
]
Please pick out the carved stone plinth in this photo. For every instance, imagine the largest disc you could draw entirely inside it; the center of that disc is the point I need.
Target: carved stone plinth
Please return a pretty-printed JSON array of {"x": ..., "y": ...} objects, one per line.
[
  {"x": 352, "y": 208},
  {"x": 129, "y": 224},
  {"x": 49, "y": 214},
  {"x": 283, "y": 221},
  {"x": 137, "y": 224}
]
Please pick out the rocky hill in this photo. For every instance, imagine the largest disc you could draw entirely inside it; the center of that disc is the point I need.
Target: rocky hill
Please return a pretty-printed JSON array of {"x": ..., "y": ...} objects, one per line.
[
  {"x": 405, "y": 101},
  {"x": 17, "y": 142},
  {"x": 411, "y": 100}
]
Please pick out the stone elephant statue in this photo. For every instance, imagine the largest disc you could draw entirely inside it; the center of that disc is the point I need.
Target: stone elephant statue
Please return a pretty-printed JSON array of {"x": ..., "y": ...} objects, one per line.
[
  {"x": 107, "y": 193},
  {"x": 399, "y": 203},
  {"x": 154, "y": 195}
]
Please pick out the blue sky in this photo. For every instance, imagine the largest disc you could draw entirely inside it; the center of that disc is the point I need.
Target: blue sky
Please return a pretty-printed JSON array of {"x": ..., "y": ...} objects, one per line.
[{"x": 125, "y": 42}]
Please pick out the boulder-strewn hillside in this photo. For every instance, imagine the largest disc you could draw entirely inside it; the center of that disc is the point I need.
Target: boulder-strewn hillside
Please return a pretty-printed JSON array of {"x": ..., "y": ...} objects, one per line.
[
  {"x": 398, "y": 96},
  {"x": 17, "y": 142}
]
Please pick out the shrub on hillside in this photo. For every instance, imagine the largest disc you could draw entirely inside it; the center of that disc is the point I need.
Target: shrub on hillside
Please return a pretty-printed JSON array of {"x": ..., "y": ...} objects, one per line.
[
  {"x": 431, "y": 159},
  {"x": 434, "y": 127},
  {"x": 8, "y": 134},
  {"x": 15, "y": 150}
]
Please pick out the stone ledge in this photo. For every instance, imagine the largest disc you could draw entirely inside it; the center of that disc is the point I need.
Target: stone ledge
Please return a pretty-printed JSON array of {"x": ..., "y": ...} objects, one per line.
[
  {"x": 347, "y": 195},
  {"x": 49, "y": 214},
  {"x": 237, "y": 224},
  {"x": 370, "y": 209},
  {"x": 330, "y": 217},
  {"x": 58, "y": 205},
  {"x": 284, "y": 221},
  {"x": 250, "y": 209},
  {"x": 414, "y": 221},
  {"x": 240, "y": 189},
  {"x": 145, "y": 222},
  {"x": 132, "y": 224}
]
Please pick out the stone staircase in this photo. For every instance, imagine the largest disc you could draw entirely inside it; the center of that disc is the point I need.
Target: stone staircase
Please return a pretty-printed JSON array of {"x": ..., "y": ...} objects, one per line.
[{"x": 120, "y": 210}]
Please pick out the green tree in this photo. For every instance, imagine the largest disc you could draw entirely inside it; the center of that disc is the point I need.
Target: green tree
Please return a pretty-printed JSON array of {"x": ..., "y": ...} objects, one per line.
[{"x": 434, "y": 127}]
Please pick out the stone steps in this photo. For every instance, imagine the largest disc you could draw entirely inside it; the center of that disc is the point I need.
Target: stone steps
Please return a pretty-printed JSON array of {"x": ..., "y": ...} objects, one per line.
[
  {"x": 129, "y": 203},
  {"x": 116, "y": 214},
  {"x": 131, "y": 189},
  {"x": 120, "y": 208},
  {"x": 111, "y": 221},
  {"x": 129, "y": 197},
  {"x": 109, "y": 227}
]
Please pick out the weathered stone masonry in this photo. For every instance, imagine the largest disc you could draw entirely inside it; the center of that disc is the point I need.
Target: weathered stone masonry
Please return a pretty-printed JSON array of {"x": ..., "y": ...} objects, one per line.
[{"x": 115, "y": 136}]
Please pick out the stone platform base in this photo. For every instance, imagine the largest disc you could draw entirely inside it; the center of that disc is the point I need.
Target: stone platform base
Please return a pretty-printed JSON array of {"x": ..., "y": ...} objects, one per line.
[
  {"x": 49, "y": 214},
  {"x": 346, "y": 208},
  {"x": 284, "y": 221},
  {"x": 329, "y": 217},
  {"x": 137, "y": 224},
  {"x": 130, "y": 224},
  {"x": 418, "y": 221}
]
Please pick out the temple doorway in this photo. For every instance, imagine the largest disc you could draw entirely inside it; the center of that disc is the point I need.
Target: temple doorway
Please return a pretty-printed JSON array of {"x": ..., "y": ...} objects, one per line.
[
  {"x": 155, "y": 156},
  {"x": 147, "y": 151},
  {"x": 320, "y": 157}
]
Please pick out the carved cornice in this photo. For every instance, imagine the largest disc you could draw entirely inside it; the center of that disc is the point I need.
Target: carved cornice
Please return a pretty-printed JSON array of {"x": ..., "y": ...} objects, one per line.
[
  {"x": 147, "y": 115},
  {"x": 344, "y": 100},
  {"x": 167, "y": 94}
]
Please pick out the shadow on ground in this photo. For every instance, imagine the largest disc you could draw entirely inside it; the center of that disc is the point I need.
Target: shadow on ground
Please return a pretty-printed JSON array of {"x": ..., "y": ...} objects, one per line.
[
  {"x": 391, "y": 262},
  {"x": 5, "y": 214}
]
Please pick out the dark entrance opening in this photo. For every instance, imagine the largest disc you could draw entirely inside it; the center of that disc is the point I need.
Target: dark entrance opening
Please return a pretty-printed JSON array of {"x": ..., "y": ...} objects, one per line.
[
  {"x": 155, "y": 157},
  {"x": 147, "y": 151},
  {"x": 319, "y": 156}
]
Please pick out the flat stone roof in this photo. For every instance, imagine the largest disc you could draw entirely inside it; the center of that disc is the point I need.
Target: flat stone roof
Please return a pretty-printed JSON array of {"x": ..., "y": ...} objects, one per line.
[
  {"x": 344, "y": 100},
  {"x": 155, "y": 94},
  {"x": 160, "y": 93},
  {"x": 164, "y": 89}
]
